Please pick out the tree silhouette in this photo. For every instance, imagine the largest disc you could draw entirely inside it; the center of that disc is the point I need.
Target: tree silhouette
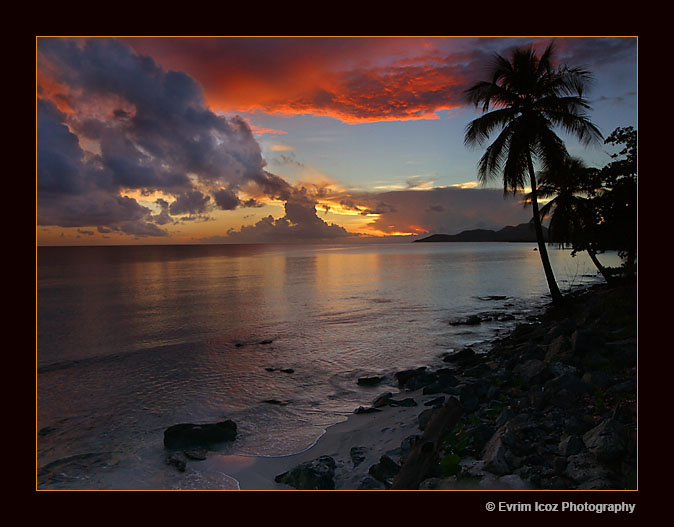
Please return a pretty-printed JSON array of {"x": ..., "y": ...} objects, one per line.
[
  {"x": 530, "y": 97},
  {"x": 573, "y": 215}
]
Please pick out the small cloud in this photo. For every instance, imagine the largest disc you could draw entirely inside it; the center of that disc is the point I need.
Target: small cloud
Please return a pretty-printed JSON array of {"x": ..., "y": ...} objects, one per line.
[{"x": 467, "y": 184}]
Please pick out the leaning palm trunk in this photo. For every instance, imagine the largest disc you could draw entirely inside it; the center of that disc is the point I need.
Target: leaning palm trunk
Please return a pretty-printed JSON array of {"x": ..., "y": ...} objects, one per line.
[
  {"x": 556, "y": 294},
  {"x": 604, "y": 272}
]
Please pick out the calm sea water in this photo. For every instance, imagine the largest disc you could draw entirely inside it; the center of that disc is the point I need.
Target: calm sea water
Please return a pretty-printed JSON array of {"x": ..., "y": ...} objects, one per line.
[{"x": 131, "y": 340}]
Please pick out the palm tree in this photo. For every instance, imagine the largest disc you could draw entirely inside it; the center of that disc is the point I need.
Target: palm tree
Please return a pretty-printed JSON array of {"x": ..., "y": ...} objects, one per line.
[
  {"x": 572, "y": 215},
  {"x": 530, "y": 97}
]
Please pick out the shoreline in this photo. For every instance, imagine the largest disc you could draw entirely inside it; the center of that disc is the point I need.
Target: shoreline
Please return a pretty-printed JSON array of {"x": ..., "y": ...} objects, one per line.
[{"x": 551, "y": 405}]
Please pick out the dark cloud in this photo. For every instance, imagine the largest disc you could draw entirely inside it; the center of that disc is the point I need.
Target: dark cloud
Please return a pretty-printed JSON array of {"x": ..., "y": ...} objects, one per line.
[
  {"x": 154, "y": 133},
  {"x": 190, "y": 202},
  {"x": 299, "y": 223},
  {"x": 226, "y": 199}
]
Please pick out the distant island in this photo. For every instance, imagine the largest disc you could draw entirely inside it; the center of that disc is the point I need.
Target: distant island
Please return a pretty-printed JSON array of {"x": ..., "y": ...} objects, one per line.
[{"x": 524, "y": 232}]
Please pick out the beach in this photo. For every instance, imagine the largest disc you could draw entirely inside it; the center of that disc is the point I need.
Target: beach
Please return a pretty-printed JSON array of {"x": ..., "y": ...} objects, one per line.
[{"x": 550, "y": 406}]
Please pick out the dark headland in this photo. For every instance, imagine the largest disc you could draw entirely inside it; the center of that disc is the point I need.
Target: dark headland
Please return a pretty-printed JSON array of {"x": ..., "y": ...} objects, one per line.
[{"x": 524, "y": 232}]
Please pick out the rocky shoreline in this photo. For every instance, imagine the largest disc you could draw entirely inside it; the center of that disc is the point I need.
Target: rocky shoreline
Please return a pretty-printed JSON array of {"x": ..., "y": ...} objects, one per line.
[{"x": 553, "y": 405}]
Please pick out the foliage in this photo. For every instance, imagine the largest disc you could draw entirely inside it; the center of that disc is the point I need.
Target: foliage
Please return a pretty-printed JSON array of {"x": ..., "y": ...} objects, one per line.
[
  {"x": 595, "y": 209},
  {"x": 455, "y": 447},
  {"x": 529, "y": 97}
]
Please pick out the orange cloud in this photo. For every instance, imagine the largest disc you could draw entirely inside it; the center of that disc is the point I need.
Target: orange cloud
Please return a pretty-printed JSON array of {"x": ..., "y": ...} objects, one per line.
[{"x": 351, "y": 79}]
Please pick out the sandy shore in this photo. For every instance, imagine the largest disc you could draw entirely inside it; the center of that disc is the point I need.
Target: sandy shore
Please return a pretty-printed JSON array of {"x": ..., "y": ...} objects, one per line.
[{"x": 379, "y": 433}]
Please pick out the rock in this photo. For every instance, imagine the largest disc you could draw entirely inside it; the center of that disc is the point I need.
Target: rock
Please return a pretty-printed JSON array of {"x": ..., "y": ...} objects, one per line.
[
  {"x": 382, "y": 400},
  {"x": 584, "y": 467},
  {"x": 570, "y": 445},
  {"x": 276, "y": 402},
  {"x": 407, "y": 445},
  {"x": 288, "y": 370},
  {"x": 597, "y": 379},
  {"x": 357, "y": 454},
  {"x": 46, "y": 430},
  {"x": 480, "y": 434},
  {"x": 607, "y": 441},
  {"x": 585, "y": 341},
  {"x": 578, "y": 425},
  {"x": 403, "y": 377},
  {"x": 496, "y": 455},
  {"x": 191, "y": 435},
  {"x": 559, "y": 368},
  {"x": 464, "y": 357},
  {"x": 369, "y": 381},
  {"x": 533, "y": 372},
  {"x": 443, "y": 382},
  {"x": 313, "y": 475},
  {"x": 178, "y": 460},
  {"x": 472, "y": 320},
  {"x": 559, "y": 350},
  {"x": 425, "y": 418},
  {"x": 369, "y": 483},
  {"x": 385, "y": 470},
  {"x": 403, "y": 402},
  {"x": 268, "y": 341},
  {"x": 197, "y": 454},
  {"x": 561, "y": 390},
  {"x": 493, "y": 297},
  {"x": 363, "y": 410},
  {"x": 470, "y": 394},
  {"x": 435, "y": 403}
]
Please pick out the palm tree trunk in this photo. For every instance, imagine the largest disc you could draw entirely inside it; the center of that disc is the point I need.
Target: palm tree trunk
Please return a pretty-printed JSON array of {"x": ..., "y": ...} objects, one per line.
[
  {"x": 602, "y": 269},
  {"x": 557, "y": 298}
]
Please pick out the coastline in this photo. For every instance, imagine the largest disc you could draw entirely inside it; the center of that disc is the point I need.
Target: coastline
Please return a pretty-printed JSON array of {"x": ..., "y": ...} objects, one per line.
[{"x": 551, "y": 405}]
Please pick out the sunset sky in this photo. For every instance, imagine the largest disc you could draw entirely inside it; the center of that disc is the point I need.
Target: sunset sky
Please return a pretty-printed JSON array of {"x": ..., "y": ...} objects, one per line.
[{"x": 237, "y": 140}]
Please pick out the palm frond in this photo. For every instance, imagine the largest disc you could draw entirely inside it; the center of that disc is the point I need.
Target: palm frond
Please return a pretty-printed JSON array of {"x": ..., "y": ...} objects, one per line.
[{"x": 479, "y": 130}]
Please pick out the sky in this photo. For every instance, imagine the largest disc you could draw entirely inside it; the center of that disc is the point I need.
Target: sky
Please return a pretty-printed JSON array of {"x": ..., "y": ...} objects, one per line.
[{"x": 186, "y": 140}]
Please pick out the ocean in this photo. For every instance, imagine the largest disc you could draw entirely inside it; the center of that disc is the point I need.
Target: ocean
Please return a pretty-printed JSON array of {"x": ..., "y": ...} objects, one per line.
[{"x": 134, "y": 339}]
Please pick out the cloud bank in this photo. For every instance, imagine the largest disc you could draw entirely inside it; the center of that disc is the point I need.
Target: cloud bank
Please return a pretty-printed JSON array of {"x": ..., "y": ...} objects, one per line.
[{"x": 110, "y": 121}]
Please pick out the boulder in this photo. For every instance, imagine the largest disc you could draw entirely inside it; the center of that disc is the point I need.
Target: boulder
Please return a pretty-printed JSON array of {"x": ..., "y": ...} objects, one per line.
[
  {"x": 425, "y": 418},
  {"x": 584, "y": 467},
  {"x": 559, "y": 350},
  {"x": 385, "y": 470},
  {"x": 197, "y": 454},
  {"x": 369, "y": 381},
  {"x": 496, "y": 455},
  {"x": 403, "y": 377},
  {"x": 382, "y": 400},
  {"x": 357, "y": 454},
  {"x": 369, "y": 483},
  {"x": 313, "y": 475},
  {"x": 363, "y": 410},
  {"x": 407, "y": 445},
  {"x": 570, "y": 445},
  {"x": 177, "y": 460},
  {"x": 464, "y": 357},
  {"x": 193, "y": 435},
  {"x": 607, "y": 441},
  {"x": 533, "y": 372},
  {"x": 403, "y": 402}
]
